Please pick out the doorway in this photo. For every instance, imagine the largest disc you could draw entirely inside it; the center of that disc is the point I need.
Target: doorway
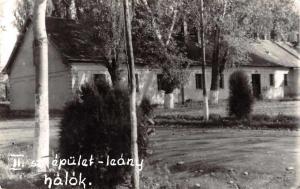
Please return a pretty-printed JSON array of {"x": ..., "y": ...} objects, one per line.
[{"x": 256, "y": 85}]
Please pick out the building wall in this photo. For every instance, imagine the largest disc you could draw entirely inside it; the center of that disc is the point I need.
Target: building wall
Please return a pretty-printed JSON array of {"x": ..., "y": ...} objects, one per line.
[
  {"x": 22, "y": 78},
  {"x": 294, "y": 88},
  {"x": 83, "y": 73},
  {"x": 267, "y": 91},
  {"x": 148, "y": 81}
]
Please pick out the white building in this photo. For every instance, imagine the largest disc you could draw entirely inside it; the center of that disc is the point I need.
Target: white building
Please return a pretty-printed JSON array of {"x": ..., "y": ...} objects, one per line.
[{"x": 274, "y": 70}]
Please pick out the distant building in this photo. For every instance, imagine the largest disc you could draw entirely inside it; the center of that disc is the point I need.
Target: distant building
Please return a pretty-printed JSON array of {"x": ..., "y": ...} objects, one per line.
[{"x": 274, "y": 70}]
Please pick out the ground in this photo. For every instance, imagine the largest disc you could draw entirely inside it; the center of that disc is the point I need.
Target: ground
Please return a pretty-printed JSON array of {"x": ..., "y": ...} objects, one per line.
[
  {"x": 200, "y": 158},
  {"x": 226, "y": 158}
]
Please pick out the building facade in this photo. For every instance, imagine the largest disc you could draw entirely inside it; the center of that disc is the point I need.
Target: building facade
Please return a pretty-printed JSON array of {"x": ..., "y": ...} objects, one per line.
[{"x": 274, "y": 73}]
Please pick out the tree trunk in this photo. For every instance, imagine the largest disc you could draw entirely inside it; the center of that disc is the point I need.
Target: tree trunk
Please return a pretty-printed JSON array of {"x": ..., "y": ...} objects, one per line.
[
  {"x": 215, "y": 73},
  {"x": 169, "y": 101},
  {"x": 186, "y": 39},
  {"x": 114, "y": 72},
  {"x": 40, "y": 58},
  {"x": 70, "y": 9},
  {"x": 205, "y": 98},
  {"x": 132, "y": 83}
]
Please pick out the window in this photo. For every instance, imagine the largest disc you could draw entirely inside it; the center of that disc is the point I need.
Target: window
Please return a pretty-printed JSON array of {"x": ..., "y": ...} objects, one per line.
[
  {"x": 159, "y": 81},
  {"x": 99, "y": 78},
  {"x": 271, "y": 79},
  {"x": 221, "y": 81},
  {"x": 137, "y": 83},
  {"x": 199, "y": 83},
  {"x": 285, "y": 80}
]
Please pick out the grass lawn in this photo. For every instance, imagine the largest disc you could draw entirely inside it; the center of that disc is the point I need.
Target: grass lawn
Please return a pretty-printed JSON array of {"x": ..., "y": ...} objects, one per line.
[
  {"x": 200, "y": 158},
  {"x": 271, "y": 108}
]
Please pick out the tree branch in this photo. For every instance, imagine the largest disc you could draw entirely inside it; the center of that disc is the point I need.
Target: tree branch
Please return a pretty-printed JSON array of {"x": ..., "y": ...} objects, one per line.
[
  {"x": 154, "y": 25},
  {"x": 172, "y": 27}
]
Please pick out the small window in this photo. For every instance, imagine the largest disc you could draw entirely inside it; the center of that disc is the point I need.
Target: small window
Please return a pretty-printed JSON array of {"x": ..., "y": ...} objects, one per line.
[
  {"x": 99, "y": 78},
  {"x": 271, "y": 79},
  {"x": 199, "y": 83},
  {"x": 137, "y": 82},
  {"x": 285, "y": 81},
  {"x": 221, "y": 81},
  {"x": 159, "y": 81}
]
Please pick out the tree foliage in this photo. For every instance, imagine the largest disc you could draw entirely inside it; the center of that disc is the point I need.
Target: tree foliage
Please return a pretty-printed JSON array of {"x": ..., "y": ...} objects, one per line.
[
  {"x": 156, "y": 36},
  {"x": 98, "y": 123}
]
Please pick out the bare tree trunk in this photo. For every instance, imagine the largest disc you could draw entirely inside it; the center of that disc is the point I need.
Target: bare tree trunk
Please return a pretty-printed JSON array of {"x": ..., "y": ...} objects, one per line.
[
  {"x": 132, "y": 83},
  {"x": 185, "y": 34},
  {"x": 40, "y": 58},
  {"x": 215, "y": 70},
  {"x": 70, "y": 9},
  {"x": 205, "y": 98},
  {"x": 114, "y": 71}
]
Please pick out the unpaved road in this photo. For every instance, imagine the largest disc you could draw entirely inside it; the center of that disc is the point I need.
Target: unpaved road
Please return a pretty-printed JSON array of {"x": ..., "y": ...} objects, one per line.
[{"x": 227, "y": 158}]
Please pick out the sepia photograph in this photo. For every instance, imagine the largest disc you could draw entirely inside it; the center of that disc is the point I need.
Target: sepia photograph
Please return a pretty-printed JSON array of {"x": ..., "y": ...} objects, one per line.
[{"x": 149, "y": 94}]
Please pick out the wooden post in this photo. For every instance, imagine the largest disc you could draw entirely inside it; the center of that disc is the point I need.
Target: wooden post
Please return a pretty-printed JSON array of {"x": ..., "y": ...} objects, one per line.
[
  {"x": 40, "y": 59},
  {"x": 132, "y": 84}
]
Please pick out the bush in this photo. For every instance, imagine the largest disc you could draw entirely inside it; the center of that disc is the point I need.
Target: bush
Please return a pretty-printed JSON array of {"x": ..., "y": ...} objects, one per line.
[
  {"x": 240, "y": 97},
  {"x": 146, "y": 106},
  {"x": 98, "y": 123}
]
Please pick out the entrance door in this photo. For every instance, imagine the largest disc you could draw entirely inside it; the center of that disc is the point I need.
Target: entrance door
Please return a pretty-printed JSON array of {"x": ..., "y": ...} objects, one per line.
[{"x": 256, "y": 87}]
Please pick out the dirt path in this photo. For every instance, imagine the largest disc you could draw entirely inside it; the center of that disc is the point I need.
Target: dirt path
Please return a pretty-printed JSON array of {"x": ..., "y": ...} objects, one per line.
[
  {"x": 225, "y": 158},
  {"x": 20, "y": 132}
]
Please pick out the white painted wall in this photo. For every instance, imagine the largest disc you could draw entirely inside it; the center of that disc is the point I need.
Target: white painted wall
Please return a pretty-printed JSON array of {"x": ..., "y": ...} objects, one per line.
[
  {"x": 294, "y": 83},
  {"x": 148, "y": 81},
  {"x": 268, "y": 92},
  {"x": 22, "y": 78},
  {"x": 83, "y": 73}
]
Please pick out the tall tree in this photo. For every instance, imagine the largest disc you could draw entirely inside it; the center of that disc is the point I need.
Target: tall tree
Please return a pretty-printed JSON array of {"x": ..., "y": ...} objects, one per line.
[
  {"x": 156, "y": 21},
  {"x": 202, "y": 41},
  {"x": 230, "y": 26},
  {"x": 132, "y": 84},
  {"x": 105, "y": 23},
  {"x": 40, "y": 59}
]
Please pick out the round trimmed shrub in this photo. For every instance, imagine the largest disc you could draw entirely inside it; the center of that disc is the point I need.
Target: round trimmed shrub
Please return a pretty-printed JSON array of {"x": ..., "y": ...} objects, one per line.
[
  {"x": 98, "y": 123},
  {"x": 240, "y": 95}
]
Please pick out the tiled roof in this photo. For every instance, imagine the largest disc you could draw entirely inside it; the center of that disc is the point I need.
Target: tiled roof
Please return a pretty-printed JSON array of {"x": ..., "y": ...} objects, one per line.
[
  {"x": 271, "y": 53},
  {"x": 69, "y": 37},
  {"x": 71, "y": 40}
]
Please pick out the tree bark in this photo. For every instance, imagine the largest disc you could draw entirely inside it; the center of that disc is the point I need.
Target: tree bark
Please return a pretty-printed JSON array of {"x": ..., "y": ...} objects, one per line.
[
  {"x": 186, "y": 40},
  {"x": 132, "y": 83},
  {"x": 205, "y": 98},
  {"x": 40, "y": 58},
  {"x": 70, "y": 9},
  {"x": 169, "y": 101},
  {"x": 113, "y": 68},
  {"x": 215, "y": 73}
]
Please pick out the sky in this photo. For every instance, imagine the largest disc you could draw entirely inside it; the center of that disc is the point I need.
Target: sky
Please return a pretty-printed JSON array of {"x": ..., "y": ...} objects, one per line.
[
  {"x": 9, "y": 35},
  {"x": 298, "y": 5}
]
